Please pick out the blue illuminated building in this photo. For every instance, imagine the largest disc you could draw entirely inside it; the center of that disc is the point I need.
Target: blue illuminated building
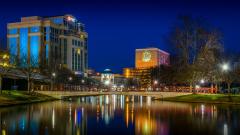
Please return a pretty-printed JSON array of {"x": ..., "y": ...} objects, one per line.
[{"x": 50, "y": 42}]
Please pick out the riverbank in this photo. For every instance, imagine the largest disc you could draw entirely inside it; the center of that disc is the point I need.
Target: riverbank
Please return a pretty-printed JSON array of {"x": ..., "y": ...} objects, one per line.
[
  {"x": 8, "y": 98},
  {"x": 206, "y": 98}
]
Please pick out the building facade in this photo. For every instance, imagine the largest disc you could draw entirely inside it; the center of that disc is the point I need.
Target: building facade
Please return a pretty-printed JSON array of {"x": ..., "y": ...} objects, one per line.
[
  {"x": 107, "y": 77},
  {"x": 49, "y": 42},
  {"x": 145, "y": 59},
  {"x": 151, "y": 57}
]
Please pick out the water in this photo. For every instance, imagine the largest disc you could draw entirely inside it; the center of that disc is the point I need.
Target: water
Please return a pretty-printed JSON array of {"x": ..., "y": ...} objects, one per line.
[{"x": 118, "y": 114}]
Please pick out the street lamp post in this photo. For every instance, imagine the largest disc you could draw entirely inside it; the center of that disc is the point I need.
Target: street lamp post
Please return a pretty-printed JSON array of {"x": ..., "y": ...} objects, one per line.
[
  {"x": 202, "y": 81},
  {"x": 155, "y": 84},
  {"x": 225, "y": 68},
  {"x": 70, "y": 79},
  {"x": 53, "y": 80}
]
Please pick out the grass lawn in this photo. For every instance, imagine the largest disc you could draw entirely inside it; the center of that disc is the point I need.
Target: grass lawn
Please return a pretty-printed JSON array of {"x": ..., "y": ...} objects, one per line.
[
  {"x": 207, "y": 98},
  {"x": 13, "y": 97}
]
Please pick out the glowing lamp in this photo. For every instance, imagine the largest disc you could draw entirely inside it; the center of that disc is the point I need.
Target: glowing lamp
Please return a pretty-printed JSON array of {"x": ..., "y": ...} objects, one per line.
[
  {"x": 225, "y": 67},
  {"x": 107, "y": 82}
]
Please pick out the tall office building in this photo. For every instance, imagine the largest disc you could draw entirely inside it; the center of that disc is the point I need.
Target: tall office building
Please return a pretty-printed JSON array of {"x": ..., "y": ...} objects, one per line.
[{"x": 49, "y": 42}]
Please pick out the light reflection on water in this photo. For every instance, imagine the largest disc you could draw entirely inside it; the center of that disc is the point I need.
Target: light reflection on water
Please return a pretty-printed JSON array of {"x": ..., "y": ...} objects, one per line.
[{"x": 118, "y": 114}]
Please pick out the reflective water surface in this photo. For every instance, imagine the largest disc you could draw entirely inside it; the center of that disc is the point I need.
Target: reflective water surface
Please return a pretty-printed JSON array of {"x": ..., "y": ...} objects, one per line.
[{"x": 118, "y": 114}]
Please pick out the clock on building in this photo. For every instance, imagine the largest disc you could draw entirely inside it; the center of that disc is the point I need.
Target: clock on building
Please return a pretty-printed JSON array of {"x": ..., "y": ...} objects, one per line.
[{"x": 146, "y": 56}]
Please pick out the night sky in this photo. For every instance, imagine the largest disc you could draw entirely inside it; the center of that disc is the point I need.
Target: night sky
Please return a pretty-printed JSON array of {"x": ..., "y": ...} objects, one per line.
[{"x": 117, "y": 27}]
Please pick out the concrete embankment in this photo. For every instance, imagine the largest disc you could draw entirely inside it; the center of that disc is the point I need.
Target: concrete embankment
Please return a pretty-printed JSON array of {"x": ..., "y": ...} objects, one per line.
[{"x": 64, "y": 94}]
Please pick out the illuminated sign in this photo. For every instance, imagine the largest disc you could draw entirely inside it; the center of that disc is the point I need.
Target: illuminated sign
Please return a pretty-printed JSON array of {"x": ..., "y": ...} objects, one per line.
[
  {"x": 146, "y": 56},
  {"x": 71, "y": 19}
]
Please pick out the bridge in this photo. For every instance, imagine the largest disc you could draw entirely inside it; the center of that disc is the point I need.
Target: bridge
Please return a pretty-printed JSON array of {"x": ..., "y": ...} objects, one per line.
[{"x": 156, "y": 95}]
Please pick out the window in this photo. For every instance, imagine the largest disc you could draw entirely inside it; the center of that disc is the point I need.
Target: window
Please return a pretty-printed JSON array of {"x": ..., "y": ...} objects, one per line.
[
  {"x": 65, "y": 52},
  {"x": 23, "y": 46},
  {"x": 47, "y": 49},
  {"x": 47, "y": 29},
  {"x": 73, "y": 42},
  {"x": 72, "y": 58},
  {"x": 34, "y": 50},
  {"x": 75, "y": 63},
  {"x": 47, "y": 37},
  {"x": 12, "y": 31},
  {"x": 35, "y": 29},
  {"x": 12, "y": 49},
  {"x": 78, "y": 43},
  {"x": 57, "y": 20},
  {"x": 81, "y": 66}
]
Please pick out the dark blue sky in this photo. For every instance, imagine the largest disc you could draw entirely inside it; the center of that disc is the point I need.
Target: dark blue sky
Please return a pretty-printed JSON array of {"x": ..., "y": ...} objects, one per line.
[{"x": 117, "y": 27}]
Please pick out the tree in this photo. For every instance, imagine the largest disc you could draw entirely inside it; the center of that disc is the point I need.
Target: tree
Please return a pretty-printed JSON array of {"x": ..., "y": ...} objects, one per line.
[
  {"x": 29, "y": 67},
  {"x": 3, "y": 71},
  {"x": 198, "y": 48}
]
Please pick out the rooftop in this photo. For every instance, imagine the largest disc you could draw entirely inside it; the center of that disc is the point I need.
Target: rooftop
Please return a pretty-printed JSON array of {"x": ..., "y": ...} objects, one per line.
[{"x": 152, "y": 48}]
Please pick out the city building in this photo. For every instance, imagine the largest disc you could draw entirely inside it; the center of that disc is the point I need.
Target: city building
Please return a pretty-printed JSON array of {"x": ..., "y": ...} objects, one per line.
[
  {"x": 115, "y": 81},
  {"x": 142, "y": 75},
  {"x": 107, "y": 77},
  {"x": 119, "y": 80},
  {"x": 4, "y": 58},
  {"x": 145, "y": 59},
  {"x": 49, "y": 42},
  {"x": 151, "y": 57}
]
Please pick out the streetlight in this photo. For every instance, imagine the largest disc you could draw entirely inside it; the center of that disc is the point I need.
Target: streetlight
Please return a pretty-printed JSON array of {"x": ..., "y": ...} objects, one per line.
[
  {"x": 197, "y": 86},
  {"x": 53, "y": 75},
  {"x": 202, "y": 81},
  {"x": 107, "y": 82},
  {"x": 83, "y": 81},
  {"x": 225, "y": 67},
  {"x": 155, "y": 83},
  {"x": 70, "y": 78}
]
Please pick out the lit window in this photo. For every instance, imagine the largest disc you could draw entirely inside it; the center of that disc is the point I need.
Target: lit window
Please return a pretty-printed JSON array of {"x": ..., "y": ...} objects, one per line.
[
  {"x": 12, "y": 31},
  {"x": 78, "y": 51},
  {"x": 35, "y": 29},
  {"x": 57, "y": 20}
]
